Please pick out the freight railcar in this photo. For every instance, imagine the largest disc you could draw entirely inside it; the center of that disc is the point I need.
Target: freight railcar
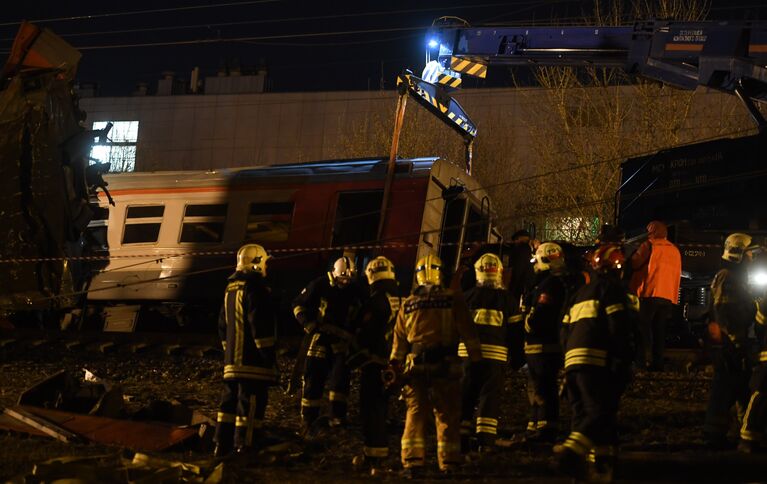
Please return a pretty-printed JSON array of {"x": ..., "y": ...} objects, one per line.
[
  {"x": 171, "y": 236},
  {"x": 704, "y": 191}
]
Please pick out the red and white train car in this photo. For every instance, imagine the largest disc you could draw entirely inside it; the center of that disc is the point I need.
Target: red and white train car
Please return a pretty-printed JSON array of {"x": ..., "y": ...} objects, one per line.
[{"x": 171, "y": 236}]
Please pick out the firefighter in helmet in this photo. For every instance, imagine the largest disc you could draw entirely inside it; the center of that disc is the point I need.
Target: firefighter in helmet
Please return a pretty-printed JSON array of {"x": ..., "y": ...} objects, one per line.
[
  {"x": 755, "y": 418},
  {"x": 733, "y": 317},
  {"x": 374, "y": 327},
  {"x": 246, "y": 327},
  {"x": 599, "y": 341},
  {"x": 326, "y": 309},
  {"x": 490, "y": 308},
  {"x": 430, "y": 323},
  {"x": 544, "y": 305}
]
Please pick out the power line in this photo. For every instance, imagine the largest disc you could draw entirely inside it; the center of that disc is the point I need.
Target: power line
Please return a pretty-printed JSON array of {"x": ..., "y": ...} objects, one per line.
[
  {"x": 283, "y": 20},
  {"x": 246, "y": 39},
  {"x": 142, "y": 12}
]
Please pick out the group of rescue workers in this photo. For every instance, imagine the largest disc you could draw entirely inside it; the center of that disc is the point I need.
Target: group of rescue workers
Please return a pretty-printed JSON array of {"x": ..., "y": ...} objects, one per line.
[{"x": 442, "y": 342}]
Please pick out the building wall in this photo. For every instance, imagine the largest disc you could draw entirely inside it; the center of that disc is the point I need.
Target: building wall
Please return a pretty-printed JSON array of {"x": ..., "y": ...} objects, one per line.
[{"x": 195, "y": 132}]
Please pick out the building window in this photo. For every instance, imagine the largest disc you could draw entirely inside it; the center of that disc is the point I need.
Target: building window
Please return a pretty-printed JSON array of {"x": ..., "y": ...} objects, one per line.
[
  {"x": 269, "y": 222},
  {"x": 142, "y": 224},
  {"x": 119, "y": 147},
  {"x": 203, "y": 224}
]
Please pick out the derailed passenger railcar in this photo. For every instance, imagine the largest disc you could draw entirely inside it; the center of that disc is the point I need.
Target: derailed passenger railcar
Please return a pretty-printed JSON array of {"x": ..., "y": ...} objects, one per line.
[{"x": 171, "y": 236}]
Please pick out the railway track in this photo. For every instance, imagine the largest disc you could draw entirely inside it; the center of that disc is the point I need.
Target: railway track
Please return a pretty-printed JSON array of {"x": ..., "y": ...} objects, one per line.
[{"x": 18, "y": 341}]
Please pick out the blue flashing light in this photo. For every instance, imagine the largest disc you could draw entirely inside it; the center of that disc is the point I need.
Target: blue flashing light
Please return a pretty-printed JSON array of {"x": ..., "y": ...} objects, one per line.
[{"x": 433, "y": 44}]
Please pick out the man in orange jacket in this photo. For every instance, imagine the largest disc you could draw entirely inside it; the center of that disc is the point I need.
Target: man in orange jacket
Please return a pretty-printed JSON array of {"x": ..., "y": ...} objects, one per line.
[{"x": 657, "y": 266}]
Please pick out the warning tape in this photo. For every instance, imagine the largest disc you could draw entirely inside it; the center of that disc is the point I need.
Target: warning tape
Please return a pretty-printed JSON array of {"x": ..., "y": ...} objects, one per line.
[{"x": 85, "y": 258}]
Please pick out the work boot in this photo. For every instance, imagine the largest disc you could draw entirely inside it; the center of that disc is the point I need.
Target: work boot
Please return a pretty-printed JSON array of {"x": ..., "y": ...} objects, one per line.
[
  {"x": 449, "y": 471},
  {"x": 569, "y": 462},
  {"x": 601, "y": 470},
  {"x": 222, "y": 450},
  {"x": 413, "y": 472},
  {"x": 748, "y": 446}
]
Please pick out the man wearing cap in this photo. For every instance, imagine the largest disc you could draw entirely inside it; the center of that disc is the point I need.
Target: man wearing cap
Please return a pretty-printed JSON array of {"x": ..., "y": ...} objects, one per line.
[{"x": 657, "y": 266}]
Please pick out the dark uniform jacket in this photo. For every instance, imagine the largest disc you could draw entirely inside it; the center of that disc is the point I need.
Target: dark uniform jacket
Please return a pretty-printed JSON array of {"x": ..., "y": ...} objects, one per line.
[
  {"x": 544, "y": 305},
  {"x": 376, "y": 322},
  {"x": 324, "y": 302},
  {"x": 491, "y": 311},
  {"x": 733, "y": 307},
  {"x": 246, "y": 328},
  {"x": 600, "y": 325}
]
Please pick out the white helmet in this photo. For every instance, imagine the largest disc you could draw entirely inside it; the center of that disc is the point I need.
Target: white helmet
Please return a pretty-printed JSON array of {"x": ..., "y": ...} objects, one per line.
[
  {"x": 489, "y": 270},
  {"x": 343, "y": 271},
  {"x": 735, "y": 246},
  {"x": 379, "y": 269},
  {"x": 252, "y": 258},
  {"x": 549, "y": 256}
]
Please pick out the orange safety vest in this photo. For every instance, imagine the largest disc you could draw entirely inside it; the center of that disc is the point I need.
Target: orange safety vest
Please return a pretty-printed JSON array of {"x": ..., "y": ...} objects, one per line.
[{"x": 662, "y": 274}]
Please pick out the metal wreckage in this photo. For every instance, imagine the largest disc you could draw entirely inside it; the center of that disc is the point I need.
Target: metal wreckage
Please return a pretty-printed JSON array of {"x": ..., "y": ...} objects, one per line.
[{"x": 46, "y": 180}]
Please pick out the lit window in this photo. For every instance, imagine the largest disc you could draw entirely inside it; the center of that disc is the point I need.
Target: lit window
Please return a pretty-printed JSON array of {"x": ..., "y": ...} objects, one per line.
[
  {"x": 119, "y": 148},
  {"x": 269, "y": 222}
]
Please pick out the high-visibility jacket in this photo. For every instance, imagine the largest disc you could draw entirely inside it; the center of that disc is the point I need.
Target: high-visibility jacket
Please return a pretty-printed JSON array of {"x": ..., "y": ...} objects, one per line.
[
  {"x": 246, "y": 327},
  {"x": 600, "y": 325},
  {"x": 543, "y": 315},
  {"x": 761, "y": 330},
  {"x": 658, "y": 270},
  {"x": 490, "y": 310},
  {"x": 434, "y": 319},
  {"x": 323, "y": 301}
]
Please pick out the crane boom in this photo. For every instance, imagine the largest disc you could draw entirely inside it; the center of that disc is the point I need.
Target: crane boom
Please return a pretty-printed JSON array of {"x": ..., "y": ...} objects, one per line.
[{"x": 726, "y": 56}]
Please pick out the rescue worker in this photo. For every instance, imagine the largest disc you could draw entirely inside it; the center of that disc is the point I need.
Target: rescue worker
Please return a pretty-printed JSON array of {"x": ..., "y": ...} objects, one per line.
[
  {"x": 755, "y": 418},
  {"x": 374, "y": 334},
  {"x": 733, "y": 313},
  {"x": 246, "y": 327},
  {"x": 543, "y": 307},
  {"x": 490, "y": 308},
  {"x": 598, "y": 339},
  {"x": 326, "y": 308},
  {"x": 657, "y": 266},
  {"x": 429, "y": 325}
]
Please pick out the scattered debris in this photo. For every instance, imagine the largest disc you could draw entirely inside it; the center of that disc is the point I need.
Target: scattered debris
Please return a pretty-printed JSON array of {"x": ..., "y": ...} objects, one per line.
[{"x": 142, "y": 468}]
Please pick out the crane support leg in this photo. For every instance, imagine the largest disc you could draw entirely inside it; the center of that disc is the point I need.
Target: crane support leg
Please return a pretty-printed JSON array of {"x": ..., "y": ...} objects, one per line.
[{"x": 399, "y": 119}]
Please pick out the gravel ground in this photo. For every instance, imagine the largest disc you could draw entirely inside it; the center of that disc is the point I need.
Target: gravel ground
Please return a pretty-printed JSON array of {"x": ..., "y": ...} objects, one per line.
[{"x": 660, "y": 412}]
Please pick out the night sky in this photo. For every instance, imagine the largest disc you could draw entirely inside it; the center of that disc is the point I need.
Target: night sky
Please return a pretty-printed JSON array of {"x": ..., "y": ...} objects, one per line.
[{"x": 308, "y": 56}]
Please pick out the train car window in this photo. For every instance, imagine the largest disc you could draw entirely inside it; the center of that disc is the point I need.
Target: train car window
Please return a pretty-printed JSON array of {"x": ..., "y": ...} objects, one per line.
[
  {"x": 145, "y": 211},
  {"x": 269, "y": 222},
  {"x": 452, "y": 219},
  {"x": 218, "y": 210},
  {"x": 142, "y": 233},
  {"x": 357, "y": 217},
  {"x": 203, "y": 224},
  {"x": 142, "y": 224},
  {"x": 476, "y": 226}
]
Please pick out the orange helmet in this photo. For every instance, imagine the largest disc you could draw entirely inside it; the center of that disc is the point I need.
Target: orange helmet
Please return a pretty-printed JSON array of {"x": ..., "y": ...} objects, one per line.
[{"x": 608, "y": 257}]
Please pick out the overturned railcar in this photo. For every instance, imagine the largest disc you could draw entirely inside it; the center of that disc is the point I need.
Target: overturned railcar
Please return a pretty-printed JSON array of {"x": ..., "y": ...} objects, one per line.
[{"x": 170, "y": 238}]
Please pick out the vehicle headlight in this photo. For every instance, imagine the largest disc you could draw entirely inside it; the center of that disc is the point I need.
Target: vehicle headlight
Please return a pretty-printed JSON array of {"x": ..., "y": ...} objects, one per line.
[{"x": 758, "y": 278}]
